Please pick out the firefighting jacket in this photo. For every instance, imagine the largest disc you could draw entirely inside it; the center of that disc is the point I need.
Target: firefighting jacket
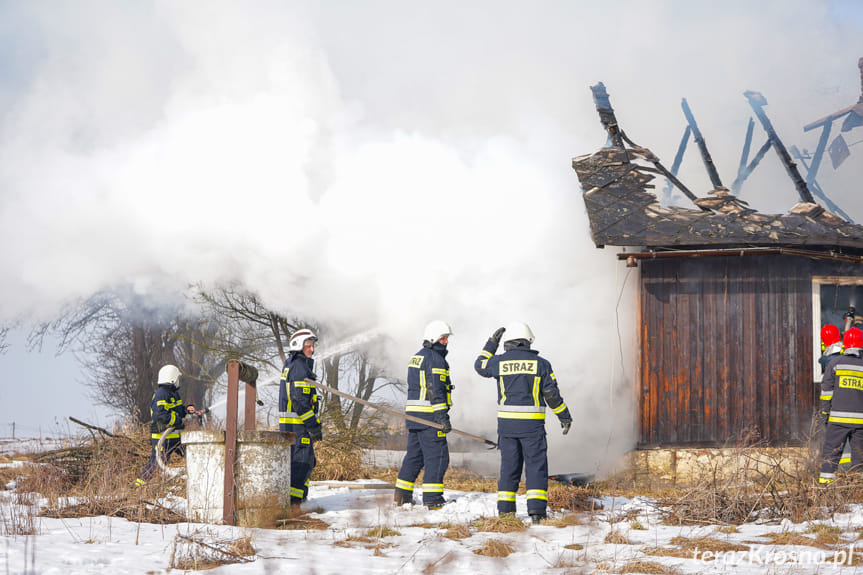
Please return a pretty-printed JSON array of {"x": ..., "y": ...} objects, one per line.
[
  {"x": 842, "y": 391},
  {"x": 166, "y": 410},
  {"x": 429, "y": 386},
  {"x": 526, "y": 384},
  {"x": 298, "y": 400},
  {"x": 828, "y": 353}
]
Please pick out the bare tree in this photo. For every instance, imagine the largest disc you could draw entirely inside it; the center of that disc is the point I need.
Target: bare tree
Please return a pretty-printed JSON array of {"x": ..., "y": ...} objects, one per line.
[
  {"x": 122, "y": 341},
  {"x": 361, "y": 377},
  {"x": 245, "y": 328},
  {"x": 252, "y": 332}
]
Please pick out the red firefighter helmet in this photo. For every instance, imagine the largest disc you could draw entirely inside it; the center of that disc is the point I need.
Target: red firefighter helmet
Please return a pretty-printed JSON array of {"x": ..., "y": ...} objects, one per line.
[
  {"x": 853, "y": 339},
  {"x": 829, "y": 334}
]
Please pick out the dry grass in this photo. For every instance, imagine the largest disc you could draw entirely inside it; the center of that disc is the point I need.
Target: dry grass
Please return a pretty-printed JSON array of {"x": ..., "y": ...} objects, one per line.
[
  {"x": 302, "y": 522},
  {"x": 574, "y": 547},
  {"x": 494, "y": 548},
  {"x": 573, "y": 498},
  {"x": 727, "y": 529},
  {"x": 706, "y": 544},
  {"x": 100, "y": 472},
  {"x": 754, "y": 487},
  {"x": 442, "y": 563},
  {"x": 668, "y": 552},
  {"x": 367, "y": 542},
  {"x": 16, "y": 519},
  {"x": 826, "y": 534},
  {"x": 382, "y": 531},
  {"x": 456, "y": 531},
  {"x": 686, "y": 547},
  {"x": 648, "y": 567},
  {"x": 457, "y": 478},
  {"x": 202, "y": 550},
  {"x": 617, "y": 538},
  {"x": 794, "y": 539},
  {"x": 338, "y": 459},
  {"x": 502, "y": 524}
]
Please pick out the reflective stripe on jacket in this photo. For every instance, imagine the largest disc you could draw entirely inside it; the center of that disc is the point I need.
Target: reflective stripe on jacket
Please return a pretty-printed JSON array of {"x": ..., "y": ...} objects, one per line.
[
  {"x": 842, "y": 390},
  {"x": 429, "y": 386},
  {"x": 525, "y": 385},
  {"x": 166, "y": 410},
  {"x": 298, "y": 400}
]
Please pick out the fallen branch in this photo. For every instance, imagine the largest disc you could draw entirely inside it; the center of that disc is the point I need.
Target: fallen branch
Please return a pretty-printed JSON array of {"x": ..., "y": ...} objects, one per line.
[{"x": 95, "y": 427}]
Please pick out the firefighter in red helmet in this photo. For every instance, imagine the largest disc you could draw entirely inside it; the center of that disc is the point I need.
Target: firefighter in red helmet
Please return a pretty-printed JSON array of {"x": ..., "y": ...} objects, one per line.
[
  {"x": 842, "y": 403},
  {"x": 831, "y": 345}
]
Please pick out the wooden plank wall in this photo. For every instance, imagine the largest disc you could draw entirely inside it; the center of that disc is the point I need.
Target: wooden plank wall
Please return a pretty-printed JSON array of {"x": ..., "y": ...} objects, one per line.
[{"x": 726, "y": 347}]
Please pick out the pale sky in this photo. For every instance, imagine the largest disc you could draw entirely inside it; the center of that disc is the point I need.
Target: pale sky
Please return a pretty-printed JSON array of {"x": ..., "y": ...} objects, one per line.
[{"x": 391, "y": 163}]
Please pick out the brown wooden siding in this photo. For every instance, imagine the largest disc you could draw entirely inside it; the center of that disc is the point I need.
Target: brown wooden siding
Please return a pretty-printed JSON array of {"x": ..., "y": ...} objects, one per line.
[{"x": 726, "y": 348}]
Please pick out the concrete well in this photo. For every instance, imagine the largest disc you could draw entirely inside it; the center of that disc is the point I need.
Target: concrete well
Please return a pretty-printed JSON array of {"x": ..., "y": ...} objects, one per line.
[{"x": 262, "y": 471}]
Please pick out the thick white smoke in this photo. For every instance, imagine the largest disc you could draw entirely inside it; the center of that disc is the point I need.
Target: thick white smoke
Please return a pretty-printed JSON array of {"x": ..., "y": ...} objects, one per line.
[{"x": 382, "y": 164}]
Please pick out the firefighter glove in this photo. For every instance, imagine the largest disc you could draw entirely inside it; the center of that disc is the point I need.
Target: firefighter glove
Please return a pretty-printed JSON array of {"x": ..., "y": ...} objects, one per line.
[
  {"x": 498, "y": 333},
  {"x": 447, "y": 426},
  {"x": 565, "y": 424},
  {"x": 825, "y": 415},
  {"x": 316, "y": 433}
]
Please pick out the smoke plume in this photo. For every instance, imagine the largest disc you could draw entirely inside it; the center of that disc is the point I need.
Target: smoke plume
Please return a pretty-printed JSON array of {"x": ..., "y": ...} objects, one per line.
[{"x": 381, "y": 164}]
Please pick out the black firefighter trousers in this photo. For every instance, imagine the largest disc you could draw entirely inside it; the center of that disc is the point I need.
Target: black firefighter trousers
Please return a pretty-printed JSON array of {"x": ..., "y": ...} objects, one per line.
[
  {"x": 835, "y": 436},
  {"x": 530, "y": 452},
  {"x": 302, "y": 463},
  {"x": 427, "y": 448}
]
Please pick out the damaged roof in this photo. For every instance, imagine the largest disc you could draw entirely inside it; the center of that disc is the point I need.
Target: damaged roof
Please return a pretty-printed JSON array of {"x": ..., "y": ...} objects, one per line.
[{"x": 623, "y": 212}]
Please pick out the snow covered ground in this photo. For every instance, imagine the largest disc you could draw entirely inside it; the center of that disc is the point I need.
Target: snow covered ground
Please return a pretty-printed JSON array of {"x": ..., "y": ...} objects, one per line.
[{"x": 415, "y": 541}]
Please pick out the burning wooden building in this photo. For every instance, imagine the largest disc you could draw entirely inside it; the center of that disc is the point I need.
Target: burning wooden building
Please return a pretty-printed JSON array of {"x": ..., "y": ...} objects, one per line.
[{"x": 731, "y": 301}]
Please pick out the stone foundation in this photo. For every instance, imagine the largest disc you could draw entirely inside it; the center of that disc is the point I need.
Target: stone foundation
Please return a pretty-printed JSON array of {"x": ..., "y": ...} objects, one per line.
[{"x": 687, "y": 467}]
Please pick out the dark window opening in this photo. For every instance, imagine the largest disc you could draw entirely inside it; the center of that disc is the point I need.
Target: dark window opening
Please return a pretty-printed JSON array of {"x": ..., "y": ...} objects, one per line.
[{"x": 836, "y": 302}]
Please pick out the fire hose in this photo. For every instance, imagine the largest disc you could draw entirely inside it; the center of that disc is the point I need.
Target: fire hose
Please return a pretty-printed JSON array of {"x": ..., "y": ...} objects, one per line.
[
  {"x": 171, "y": 473},
  {"x": 160, "y": 446},
  {"x": 490, "y": 443}
]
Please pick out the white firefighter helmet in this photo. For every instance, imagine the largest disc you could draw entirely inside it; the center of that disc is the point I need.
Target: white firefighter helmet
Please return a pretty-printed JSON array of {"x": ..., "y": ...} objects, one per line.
[
  {"x": 299, "y": 338},
  {"x": 518, "y": 330},
  {"x": 436, "y": 330},
  {"x": 169, "y": 375}
]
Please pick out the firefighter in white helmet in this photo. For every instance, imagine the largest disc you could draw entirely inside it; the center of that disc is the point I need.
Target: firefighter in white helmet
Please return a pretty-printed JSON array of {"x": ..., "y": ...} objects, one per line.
[
  {"x": 166, "y": 411},
  {"x": 429, "y": 397},
  {"x": 299, "y": 410},
  {"x": 526, "y": 386}
]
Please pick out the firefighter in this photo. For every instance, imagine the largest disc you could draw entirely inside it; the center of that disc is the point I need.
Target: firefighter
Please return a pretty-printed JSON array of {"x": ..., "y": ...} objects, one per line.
[
  {"x": 429, "y": 397},
  {"x": 831, "y": 345},
  {"x": 526, "y": 384},
  {"x": 299, "y": 410},
  {"x": 166, "y": 410},
  {"x": 842, "y": 406}
]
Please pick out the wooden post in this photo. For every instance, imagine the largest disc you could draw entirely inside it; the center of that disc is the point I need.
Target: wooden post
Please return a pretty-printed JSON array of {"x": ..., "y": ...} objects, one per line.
[
  {"x": 229, "y": 505},
  {"x": 251, "y": 398}
]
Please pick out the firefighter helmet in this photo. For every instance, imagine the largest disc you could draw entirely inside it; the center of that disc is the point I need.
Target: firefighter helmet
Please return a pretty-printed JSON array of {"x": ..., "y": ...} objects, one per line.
[
  {"x": 517, "y": 330},
  {"x": 299, "y": 338},
  {"x": 169, "y": 375},
  {"x": 829, "y": 335},
  {"x": 853, "y": 340},
  {"x": 435, "y": 330}
]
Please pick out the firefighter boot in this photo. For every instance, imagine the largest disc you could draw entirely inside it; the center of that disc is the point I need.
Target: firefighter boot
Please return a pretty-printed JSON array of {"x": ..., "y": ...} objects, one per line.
[
  {"x": 401, "y": 497},
  {"x": 535, "y": 518}
]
